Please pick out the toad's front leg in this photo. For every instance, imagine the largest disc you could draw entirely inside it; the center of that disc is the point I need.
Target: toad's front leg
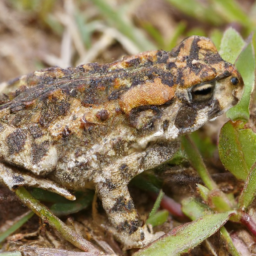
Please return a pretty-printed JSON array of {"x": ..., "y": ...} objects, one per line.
[{"x": 119, "y": 206}]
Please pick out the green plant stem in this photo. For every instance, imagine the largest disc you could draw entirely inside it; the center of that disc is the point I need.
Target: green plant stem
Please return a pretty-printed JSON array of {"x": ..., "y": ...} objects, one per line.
[
  {"x": 229, "y": 243},
  {"x": 157, "y": 203},
  {"x": 48, "y": 217},
  {"x": 197, "y": 162},
  {"x": 249, "y": 191}
]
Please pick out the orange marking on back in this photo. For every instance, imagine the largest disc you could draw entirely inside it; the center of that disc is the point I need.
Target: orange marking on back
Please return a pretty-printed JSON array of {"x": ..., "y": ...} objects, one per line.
[{"x": 155, "y": 93}]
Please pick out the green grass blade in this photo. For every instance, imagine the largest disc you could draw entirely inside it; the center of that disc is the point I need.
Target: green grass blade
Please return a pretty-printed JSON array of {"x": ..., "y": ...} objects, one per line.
[
  {"x": 232, "y": 11},
  {"x": 117, "y": 20},
  {"x": 197, "y": 10},
  {"x": 16, "y": 225},
  {"x": 157, "y": 203},
  {"x": 154, "y": 33},
  {"x": 177, "y": 33},
  {"x": 228, "y": 242}
]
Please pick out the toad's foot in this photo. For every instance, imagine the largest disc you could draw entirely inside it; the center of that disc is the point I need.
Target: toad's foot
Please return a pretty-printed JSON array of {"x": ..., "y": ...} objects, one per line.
[
  {"x": 139, "y": 239},
  {"x": 13, "y": 178}
]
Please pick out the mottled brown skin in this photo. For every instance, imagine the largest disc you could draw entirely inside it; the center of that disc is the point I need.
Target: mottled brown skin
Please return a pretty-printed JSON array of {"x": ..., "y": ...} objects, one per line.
[{"x": 101, "y": 125}]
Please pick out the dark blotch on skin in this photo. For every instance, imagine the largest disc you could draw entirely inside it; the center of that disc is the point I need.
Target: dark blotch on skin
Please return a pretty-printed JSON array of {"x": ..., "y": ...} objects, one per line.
[
  {"x": 1, "y": 127},
  {"x": 167, "y": 81},
  {"x": 63, "y": 107},
  {"x": 119, "y": 147},
  {"x": 66, "y": 132},
  {"x": 17, "y": 179},
  {"x": 116, "y": 94},
  {"x": 193, "y": 55},
  {"x": 19, "y": 118},
  {"x": 102, "y": 115},
  {"x": 122, "y": 206},
  {"x": 137, "y": 81},
  {"x": 212, "y": 58},
  {"x": 35, "y": 131},
  {"x": 171, "y": 65},
  {"x": 125, "y": 172},
  {"x": 94, "y": 68},
  {"x": 130, "y": 205},
  {"x": 110, "y": 185},
  {"x": 39, "y": 151},
  {"x": 16, "y": 141},
  {"x": 186, "y": 117},
  {"x": 17, "y": 108},
  {"x": 152, "y": 77},
  {"x": 52, "y": 111},
  {"x": 180, "y": 78},
  {"x": 162, "y": 56},
  {"x": 124, "y": 168},
  {"x": 175, "y": 52},
  {"x": 129, "y": 227},
  {"x": 133, "y": 62},
  {"x": 119, "y": 206}
]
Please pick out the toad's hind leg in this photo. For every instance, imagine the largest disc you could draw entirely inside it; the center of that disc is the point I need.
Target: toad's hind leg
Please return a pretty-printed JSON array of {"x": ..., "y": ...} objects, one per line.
[
  {"x": 33, "y": 152},
  {"x": 119, "y": 206}
]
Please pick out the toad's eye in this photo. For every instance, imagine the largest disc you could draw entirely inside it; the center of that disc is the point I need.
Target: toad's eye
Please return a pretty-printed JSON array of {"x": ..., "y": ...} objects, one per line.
[
  {"x": 202, "y": 92},
  {"x": 234, "y": 80}
]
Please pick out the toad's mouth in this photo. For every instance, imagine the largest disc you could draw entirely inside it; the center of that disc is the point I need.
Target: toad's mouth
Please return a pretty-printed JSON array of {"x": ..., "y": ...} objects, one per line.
[{"x": 215, "y": 111}]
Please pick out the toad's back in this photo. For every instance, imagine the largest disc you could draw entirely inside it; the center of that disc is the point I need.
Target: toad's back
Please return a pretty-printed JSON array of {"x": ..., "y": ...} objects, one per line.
[
  {"x": 55, "y": 110},
  {"x": 149, "y": 78}
]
